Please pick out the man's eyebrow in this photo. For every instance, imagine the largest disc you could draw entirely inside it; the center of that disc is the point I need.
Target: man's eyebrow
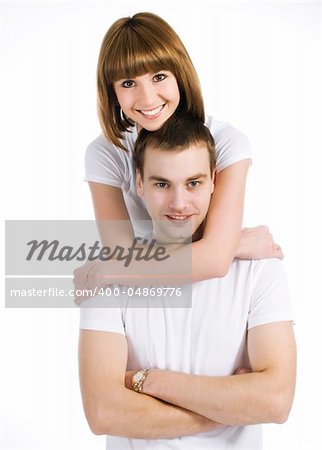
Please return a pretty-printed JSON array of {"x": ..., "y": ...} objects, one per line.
[
  {"x": 194, "y": 177},
  {"x": 199, "y": 175},
  {"x": 157, "y": 178}
]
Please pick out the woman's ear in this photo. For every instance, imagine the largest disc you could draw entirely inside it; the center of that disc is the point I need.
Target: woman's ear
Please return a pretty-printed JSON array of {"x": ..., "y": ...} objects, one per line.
[{"x": 139, "y": 184}]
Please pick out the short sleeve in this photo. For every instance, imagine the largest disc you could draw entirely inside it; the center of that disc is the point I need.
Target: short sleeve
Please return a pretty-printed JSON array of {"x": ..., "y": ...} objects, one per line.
[
  {"x": 230, "y": 143},
  {"x": 105, "y": 163},
  {"x": 102, "y": 313},
  {"x": 270, "y": 300}
]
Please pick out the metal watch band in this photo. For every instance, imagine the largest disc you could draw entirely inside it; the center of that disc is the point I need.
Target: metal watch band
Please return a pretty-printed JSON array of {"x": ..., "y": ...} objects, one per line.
[{"x": 138, "y": 385}]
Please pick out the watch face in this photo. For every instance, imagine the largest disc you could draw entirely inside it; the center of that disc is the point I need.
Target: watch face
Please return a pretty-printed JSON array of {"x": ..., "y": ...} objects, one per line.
[{"x": 137, "y": 377}]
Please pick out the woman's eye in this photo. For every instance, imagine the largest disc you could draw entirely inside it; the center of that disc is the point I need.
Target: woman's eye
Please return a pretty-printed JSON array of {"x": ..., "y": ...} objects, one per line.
[
  {"x": 159, "y": 77},
  {"x": 128, "y": 83}
]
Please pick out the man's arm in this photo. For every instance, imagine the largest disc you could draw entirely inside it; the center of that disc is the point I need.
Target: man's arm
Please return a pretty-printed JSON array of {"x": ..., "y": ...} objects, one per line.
[
  {"x": 265, "y": 395},
  {"x": 110, "y": 408}
]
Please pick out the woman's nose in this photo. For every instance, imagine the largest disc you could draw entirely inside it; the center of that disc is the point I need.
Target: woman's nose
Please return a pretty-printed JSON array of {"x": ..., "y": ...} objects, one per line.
[{"x": 146, "y": 96}]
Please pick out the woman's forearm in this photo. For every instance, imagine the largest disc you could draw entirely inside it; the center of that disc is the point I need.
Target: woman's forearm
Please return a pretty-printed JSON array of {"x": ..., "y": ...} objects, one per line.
[{"x": 213, "y": 254}]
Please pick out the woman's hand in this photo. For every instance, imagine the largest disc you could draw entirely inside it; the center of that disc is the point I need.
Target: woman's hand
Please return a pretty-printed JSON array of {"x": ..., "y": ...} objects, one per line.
[
  {"x": 83, "y": 286},
  {"x": 258, "y": 243}
]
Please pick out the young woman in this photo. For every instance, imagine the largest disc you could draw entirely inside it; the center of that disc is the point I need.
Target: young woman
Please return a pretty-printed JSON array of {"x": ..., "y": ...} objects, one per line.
[{"x": 145, "y": 75}]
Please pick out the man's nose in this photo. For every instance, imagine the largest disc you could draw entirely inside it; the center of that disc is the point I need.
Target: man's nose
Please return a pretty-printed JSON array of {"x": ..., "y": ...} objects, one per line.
[{"x": 178, "y": 201}]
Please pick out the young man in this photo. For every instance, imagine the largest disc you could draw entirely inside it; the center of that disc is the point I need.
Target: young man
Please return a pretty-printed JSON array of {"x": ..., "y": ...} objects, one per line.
[{"x": 194, "y": 396}]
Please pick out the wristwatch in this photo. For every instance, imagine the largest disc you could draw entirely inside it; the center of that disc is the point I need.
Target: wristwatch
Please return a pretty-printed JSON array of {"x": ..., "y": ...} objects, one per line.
[{"x": 137, "y": 380}]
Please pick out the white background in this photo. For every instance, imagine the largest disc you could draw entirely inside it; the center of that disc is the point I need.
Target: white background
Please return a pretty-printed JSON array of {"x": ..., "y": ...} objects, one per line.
[{"x": 260, "y": 69}]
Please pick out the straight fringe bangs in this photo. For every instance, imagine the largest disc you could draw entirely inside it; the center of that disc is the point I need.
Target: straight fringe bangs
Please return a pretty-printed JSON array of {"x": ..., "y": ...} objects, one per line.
[{"x": 134, "y": 56}]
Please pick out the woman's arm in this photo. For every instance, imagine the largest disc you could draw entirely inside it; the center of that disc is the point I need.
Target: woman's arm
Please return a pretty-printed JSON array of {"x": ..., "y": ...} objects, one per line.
[
  {"x": 223, "y": 238},
  {"x": 213, "y": 254},
  {"x": 109, "y": 205}
]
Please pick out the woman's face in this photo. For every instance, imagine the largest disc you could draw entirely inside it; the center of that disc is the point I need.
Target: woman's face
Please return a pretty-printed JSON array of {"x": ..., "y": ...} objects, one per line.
[{"x": 150, "y": 99}]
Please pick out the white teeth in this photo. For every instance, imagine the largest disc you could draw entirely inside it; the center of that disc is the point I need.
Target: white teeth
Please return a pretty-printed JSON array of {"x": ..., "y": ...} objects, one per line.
[
  {"x": 152, "y": 112},
  {"x": 179, "y": 217}
]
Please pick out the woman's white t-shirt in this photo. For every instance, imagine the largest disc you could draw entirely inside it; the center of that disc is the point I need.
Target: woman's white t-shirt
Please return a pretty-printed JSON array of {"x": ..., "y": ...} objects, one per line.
[{"x": 108, "y": 164}]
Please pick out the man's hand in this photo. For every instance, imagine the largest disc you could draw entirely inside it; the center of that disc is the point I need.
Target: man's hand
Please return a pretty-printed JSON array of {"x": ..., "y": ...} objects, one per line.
[{"x": 258, "y": 243}]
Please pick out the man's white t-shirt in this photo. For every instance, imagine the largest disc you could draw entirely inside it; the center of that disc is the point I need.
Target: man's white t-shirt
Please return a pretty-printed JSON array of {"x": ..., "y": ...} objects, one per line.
[
  {"x": 208, "y": 338},
  {"x": 105, "y": 163}
]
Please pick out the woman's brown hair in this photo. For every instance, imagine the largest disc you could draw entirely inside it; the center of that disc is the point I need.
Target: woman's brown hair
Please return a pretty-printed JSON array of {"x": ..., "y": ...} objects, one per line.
[{"x": 133, "y": 47}]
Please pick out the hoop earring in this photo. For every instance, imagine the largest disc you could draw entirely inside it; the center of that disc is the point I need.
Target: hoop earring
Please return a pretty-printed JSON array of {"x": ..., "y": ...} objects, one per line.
[{"x": 122, "y": 114}]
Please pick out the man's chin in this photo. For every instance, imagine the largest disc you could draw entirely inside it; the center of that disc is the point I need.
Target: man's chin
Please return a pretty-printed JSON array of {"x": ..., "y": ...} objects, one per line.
[
  {"x": 174, "y": 235},
  {"x": 174, "y": 240}
]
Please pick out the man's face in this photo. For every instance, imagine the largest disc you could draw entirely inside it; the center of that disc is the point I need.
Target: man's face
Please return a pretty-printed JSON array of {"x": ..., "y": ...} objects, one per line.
[{"x": 176, "y": 188}]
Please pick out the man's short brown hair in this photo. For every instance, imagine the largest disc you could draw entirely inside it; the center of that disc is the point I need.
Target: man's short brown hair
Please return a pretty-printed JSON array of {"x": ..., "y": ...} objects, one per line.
[{"x": 178, "y": 133}]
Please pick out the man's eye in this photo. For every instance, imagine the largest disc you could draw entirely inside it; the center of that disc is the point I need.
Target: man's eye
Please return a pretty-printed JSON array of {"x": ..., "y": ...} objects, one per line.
[
  {"x": 159, "y": 77},
  {"x": 161, "y": 184},
  {"x": 128, "y": 83},
  {"x": 194, "y": 184}
]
